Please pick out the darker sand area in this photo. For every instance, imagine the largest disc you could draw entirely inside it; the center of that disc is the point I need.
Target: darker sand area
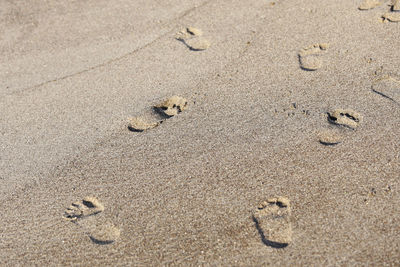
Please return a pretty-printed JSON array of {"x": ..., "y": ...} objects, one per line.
[{"x": 234, "y": 133}]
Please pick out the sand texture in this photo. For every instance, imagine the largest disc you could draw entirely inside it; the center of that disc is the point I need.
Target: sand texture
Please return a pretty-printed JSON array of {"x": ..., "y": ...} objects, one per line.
[{"x": 186, "y": 133}]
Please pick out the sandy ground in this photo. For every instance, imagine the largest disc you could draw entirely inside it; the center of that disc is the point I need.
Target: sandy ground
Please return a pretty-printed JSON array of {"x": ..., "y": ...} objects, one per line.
[{"x": 186, "y": 192}]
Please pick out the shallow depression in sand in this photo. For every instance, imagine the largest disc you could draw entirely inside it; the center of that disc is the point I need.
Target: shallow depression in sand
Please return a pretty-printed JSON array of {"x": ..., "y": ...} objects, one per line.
[
  {"x": 272, "y": 219},
  {"x": 311, "y": 57}
]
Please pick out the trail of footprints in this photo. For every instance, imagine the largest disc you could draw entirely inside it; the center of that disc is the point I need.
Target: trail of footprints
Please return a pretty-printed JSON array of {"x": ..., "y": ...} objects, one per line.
[
  {"x": 84, "y": 213},
  {"x": 272, "y": 218}
]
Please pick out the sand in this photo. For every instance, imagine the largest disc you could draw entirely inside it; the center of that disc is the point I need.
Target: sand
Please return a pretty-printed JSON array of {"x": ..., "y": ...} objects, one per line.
[{"x": 185, "y": 192}]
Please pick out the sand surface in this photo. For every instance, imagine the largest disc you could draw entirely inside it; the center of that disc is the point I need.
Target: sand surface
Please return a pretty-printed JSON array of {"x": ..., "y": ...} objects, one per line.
[{"x": 294, "y": 99}]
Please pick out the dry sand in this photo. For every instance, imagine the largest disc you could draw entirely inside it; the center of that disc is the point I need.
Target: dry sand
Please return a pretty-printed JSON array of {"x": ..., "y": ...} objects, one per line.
[{"x": 78, "y": 188}]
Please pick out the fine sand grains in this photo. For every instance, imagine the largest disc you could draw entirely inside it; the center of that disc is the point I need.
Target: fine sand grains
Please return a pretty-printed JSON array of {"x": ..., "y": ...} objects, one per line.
[
  {"x": 388, "y": 87},
  {"x": 192, "y": 38},
  {"x": 164, "y": 110},
  {"x": 272, "y": 219},
  {"x": 82, "y": 213},
  {"x": 311, "y": 57}
]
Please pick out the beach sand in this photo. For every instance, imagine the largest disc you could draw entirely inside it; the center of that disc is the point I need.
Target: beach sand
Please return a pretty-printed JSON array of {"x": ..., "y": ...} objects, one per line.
[{"x": 282, "y": 148}]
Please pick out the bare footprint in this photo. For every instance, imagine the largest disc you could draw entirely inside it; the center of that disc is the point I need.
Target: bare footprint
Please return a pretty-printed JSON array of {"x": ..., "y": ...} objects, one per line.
[
  {"x": 192, "y": 38},
  {"x": 345, "y": 117},
  {"x": 272, "y": 219},
  {"x": 86, "y": 207},
  {"x": 172, "y": 106},
  {"x": 310, "y": 58},
  {"x": 159, "y": 113},
  {"x": 369, "y": 4},
  {"x": 388, "y": 87},
  {"x": 81, "y": 213}
]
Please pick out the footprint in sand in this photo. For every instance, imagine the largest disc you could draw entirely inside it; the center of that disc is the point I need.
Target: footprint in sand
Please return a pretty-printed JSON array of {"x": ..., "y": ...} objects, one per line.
[
  {"x": 165, "y": 110},
  {"x": 369, "y": 4},
  {"x": 272, "y": 219},
  {"x": 193, "y": 39},
  {"x": 388, "y": 87},
  {"x": 86, "y": 207},
  {"x": 345, "y": 117},
  {"x": 310, "y": 58},
  {"x": 394, "y": 15},
  {"x": 82, "y": 213}
]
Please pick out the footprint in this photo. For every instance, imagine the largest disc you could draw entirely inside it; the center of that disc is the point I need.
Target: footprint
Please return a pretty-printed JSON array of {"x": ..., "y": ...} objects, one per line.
[
  {"x": 310, "y": 58},
  {"x": 172, "y": 106},
  {"x": 160, "y": 112},
  {"x": 86, "y": 207},
  {"x": 388, "y": 87},
  {"x": 345, "y": 117},
  {"x": 192, "y": 38},
  {"x": 272, "y": 219},
  {"x": 81, "y": 213},
  {"x": 369, "y": 4},
  {"x": 329, "y": 138}
]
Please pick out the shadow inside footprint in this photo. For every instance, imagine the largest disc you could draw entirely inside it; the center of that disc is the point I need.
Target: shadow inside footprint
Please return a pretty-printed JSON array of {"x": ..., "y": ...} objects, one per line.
[
  {"x": 101, "y": 242},
  {"x": 265, "y": 240}
]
